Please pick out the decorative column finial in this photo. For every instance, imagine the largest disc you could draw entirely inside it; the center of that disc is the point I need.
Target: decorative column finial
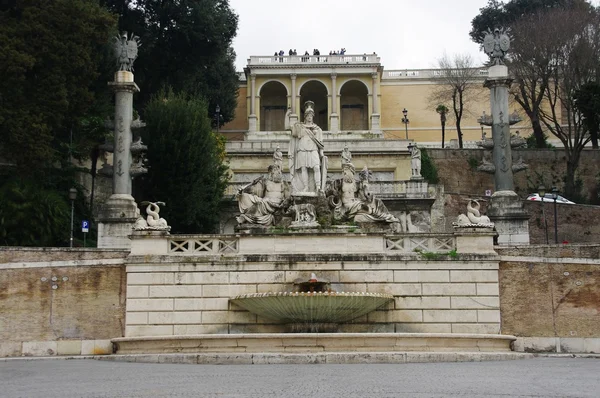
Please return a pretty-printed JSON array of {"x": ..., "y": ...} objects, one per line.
[
  {"x": 496, "y": 44},
  {"x": 126, "y": 51}
]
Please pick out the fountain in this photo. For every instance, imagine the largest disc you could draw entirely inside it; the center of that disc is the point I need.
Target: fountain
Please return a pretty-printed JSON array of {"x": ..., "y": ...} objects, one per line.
[{"x": 314, "y": 307}]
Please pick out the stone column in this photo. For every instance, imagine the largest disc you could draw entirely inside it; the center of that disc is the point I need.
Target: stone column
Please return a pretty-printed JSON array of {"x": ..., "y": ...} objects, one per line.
[
  {"x": 334, "y": 120},
  {"x": 119, "y": 213},
  {"x": 252, "y": 119},
  {"x": 375, "y": 116},
  {"x": 293, "y": 115},
  {"x": 506, "y": 208}
]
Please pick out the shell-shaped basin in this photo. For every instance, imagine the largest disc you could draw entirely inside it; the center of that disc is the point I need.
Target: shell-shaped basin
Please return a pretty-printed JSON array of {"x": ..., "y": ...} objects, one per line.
[{"x": 311, "y": 307}]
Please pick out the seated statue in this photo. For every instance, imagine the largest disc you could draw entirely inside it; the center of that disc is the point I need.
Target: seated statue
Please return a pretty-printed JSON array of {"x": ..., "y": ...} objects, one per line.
[
  {"x": 259, "y": 200},
  {"x": 351, "y": 199}
]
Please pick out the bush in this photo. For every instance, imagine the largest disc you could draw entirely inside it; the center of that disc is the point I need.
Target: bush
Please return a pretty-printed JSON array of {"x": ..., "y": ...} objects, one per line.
[{"x": 428, "y": 169}]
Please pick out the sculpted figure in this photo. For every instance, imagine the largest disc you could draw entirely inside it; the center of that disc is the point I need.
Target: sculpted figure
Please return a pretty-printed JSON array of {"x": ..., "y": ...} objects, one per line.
[
  {"x": 473, "y": 216},
  {"x": 415, "y": 160},
  {"x": 352, "y": 200},
  {"x": 496, "y": 44},
  {"x": 126, "y": 51},
  {"x": 259, "y": 200},
  {"x": 306, "y": 159},
  {"x": 278, "y": 158},
  {"x": 346, "y": 155},
  {"x": 153, "y": 221}
]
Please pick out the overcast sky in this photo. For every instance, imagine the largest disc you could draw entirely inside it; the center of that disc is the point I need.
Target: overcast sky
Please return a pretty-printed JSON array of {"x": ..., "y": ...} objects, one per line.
[{"x": 405, "y": 34}]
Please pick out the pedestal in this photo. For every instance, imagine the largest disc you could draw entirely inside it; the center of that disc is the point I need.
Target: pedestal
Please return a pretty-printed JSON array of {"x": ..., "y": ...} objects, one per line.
[
  {"x": 334, "y": 123},
  {"x": 252, "y": 123},
  {"x": 375, "y": 123},
  {"x": 116, "y": 220},
  {"x": 510, "y": 218}
]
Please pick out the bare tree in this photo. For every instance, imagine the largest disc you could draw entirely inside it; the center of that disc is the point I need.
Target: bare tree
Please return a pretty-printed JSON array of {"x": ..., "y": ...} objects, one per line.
[
  {"x": 457, "y": 84},
  {"x": 574, "y": 61}
]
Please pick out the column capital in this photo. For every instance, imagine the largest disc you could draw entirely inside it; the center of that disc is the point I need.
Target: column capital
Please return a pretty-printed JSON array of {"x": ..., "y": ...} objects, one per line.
[
  {"x": 334, "y": 75},
  {"x": 374, "y": 75},
  {"x": 253, "y": 76},
  {"x": 293, "y": 76}
]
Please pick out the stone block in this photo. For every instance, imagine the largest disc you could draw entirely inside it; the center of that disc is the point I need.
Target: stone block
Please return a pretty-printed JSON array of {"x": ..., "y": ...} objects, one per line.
[
  {"x": 396, "y": 289},
  {"x": 572, "y": 345},
  {"x": 155, "y": 278},
  {"x": 136, "y": 318},
  {"x": 10, "y": 348},
  {"x": 476, "y": 328},
  {"x": 406, "y": 276},
  {"x": 424, "y": 328},
  {"x": 488, "y": 316},
  {"x": 68, "y": 347},
  {"x": 257, "y": 277},
  {"x": 137, "y": 291},
  {"x": 396, "y": 316},
  {"x": 434, "y": 276},
  {"x": 202, "y": 304},
  {"x": 352, "y": 276},
  {"x": 227, "y": 290},
  {"x": 449, "y": 316},
  {"x": 148, "y": 330},
  {"x": 188, "y": 330},
  {"x": 201, "y": 278},
  {"x": 448, "y": 289},
  {"x": 591, "y": 345},
  {"x": 175, "y": 291},
  {"x": 273, "y": 287},
  {"x": 149, "y": 304},
  {"x": 540, "y": 344},
  {"x": 39, "y": 348},
  {"x": 379, "y": 276},
  {"x": 488, "y": 289},
  {"x": 473, "y": 276},
  {"x": 87, "y": 347},
  {"x": 475, "y": 302},
  {"x": 423, "y": 302},
  {"x": 103, "y": 347}
]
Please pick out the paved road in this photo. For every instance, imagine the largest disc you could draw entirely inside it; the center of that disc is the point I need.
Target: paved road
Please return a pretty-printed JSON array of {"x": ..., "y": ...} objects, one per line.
[{"x": 540, "y": 377}]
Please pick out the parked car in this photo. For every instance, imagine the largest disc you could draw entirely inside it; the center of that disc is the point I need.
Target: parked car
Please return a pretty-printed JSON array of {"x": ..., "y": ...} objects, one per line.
[{"x": 548, "y": 198}]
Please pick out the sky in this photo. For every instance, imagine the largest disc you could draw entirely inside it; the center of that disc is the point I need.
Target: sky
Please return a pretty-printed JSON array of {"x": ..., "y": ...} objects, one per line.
[{"x": 405, "y": 34}]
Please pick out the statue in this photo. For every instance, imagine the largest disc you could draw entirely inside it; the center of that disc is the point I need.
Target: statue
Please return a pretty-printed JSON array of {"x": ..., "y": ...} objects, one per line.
[
  {"x": 496, "y": 44},
  {"x": 346, "y": 155},
  {"x": 278, "y": 158},
  {"x": 415, "y": 160},
  {"x": 153, "y": 222},
  {"x": 473, "y": 216},
  {"x": 307, "y": 163},
  {"x": 126, "y": 51},
  {"x": 259, "y": 200},
  {"x": 352, "y": 200}
]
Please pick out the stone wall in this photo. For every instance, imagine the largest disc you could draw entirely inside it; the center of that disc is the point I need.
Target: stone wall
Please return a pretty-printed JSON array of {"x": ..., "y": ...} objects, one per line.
[
  {"x": 60, "y": 301},
  {"x": 550, "y": 297}
]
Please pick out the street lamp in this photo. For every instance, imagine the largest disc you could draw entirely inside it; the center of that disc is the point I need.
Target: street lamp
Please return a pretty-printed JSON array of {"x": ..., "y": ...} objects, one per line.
[
  {"x": 405, "y": 121},
  {"x": 555, "y": 196},
  {"x": 218, "y": 116},
  {"x": 542, "y": 193},
  {"x": 72, "y": 197}
]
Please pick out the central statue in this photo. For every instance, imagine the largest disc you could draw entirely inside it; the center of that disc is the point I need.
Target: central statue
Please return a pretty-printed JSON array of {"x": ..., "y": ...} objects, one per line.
[{"x": 307, "y": 163}]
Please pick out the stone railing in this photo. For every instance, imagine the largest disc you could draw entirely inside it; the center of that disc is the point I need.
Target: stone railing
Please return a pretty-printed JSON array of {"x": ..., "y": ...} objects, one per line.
[
  {"x": 423, "y": 73},
  {"x": 427, "y": 243},
  {"x": 314, "y": 59},
  {"x": 381, "y": 189},
  {"x": 199, "y": 245}
]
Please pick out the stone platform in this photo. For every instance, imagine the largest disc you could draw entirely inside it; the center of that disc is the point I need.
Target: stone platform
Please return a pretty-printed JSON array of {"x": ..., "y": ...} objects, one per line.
[{"x": 282, "y": 343}]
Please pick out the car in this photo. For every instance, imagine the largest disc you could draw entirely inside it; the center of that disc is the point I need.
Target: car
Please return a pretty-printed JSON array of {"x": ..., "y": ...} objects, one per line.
[{"x": 548, "y": 198}]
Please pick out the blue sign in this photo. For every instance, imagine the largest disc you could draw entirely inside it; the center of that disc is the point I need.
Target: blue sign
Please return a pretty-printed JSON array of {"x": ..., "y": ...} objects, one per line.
[{"x": 85, "y": 225}]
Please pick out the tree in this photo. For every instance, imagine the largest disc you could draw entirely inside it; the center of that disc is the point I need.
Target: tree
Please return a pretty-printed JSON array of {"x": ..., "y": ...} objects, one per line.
[
  {"x": 575, "y": 60},
  {"x": 457, "y": 83},
  {"x": 187, "y": 162},
  {"x": 52, "y": 55},
  {"x": 529, "y": 59},
  {"x": 443, "y": 111},
  {"x": 186, "y": 45},
  {"x": 587, "y": 102}
]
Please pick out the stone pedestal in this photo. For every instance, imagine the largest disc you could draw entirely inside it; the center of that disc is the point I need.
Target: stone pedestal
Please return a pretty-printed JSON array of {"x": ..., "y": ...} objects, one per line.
[
  {"x": 417, "y": 187},
  {"x": 252, "y": 123},
  {"x": 334, "y": 123},
  {"x": 376, "y": 123},
  {"x": 116, "y": 220},
  {"x": 512, "y": 221}
]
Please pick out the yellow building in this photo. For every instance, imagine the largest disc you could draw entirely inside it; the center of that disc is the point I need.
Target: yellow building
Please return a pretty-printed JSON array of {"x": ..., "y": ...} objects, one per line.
[{"x": 353, "y": 96}]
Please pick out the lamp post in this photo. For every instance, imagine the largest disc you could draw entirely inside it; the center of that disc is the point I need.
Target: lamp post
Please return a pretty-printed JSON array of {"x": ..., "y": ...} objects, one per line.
[
  {"x": 72, "y": 197},
  {"x": 405, "y": 121},
  {"x": 555, "y": 196},
  {"x": 542, "y": 193},
  {"x": 218, "y": 116}
]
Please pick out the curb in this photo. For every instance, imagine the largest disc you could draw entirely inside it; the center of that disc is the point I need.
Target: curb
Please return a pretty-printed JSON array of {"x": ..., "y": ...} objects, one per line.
[{"x": 309, "y": 358}]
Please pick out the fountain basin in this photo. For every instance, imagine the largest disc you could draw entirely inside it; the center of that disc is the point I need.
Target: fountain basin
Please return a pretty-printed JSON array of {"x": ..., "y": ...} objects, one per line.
[{"x": 312, "y": 307}]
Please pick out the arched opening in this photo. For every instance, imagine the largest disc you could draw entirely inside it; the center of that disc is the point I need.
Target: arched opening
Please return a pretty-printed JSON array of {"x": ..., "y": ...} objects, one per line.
[
  {"x": 273, "y": 105},
  {"x": 354, "y": 102},
  {"x": 316, "y": 92}
]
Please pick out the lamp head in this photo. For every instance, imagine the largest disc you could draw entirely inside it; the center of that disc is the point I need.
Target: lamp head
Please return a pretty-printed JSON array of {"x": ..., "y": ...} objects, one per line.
[
  {"x": 542, "y": 191},
  {"x": 218, "y": 109},
  {"x": 72, "y": 194},
  {"x": 404, "y": 112}
]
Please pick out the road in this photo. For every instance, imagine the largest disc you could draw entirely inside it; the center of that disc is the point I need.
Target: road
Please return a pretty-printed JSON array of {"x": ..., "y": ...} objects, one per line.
[{"x": 539, "y": 377}]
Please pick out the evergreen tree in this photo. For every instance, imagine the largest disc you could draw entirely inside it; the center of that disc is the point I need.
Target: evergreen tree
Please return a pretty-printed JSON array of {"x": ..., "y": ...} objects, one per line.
[
  {"x": 187, "y": 162},
  {"x": 186, "y": 45}
]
